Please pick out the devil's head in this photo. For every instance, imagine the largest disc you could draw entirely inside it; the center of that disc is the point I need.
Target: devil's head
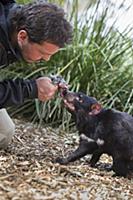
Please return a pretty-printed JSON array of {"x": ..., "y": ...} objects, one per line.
[{"x": 79, "y": 102}]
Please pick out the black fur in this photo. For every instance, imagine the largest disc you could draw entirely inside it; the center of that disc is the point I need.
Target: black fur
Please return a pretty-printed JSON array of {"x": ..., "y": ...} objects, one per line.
[{"x": 107, "y": 131}]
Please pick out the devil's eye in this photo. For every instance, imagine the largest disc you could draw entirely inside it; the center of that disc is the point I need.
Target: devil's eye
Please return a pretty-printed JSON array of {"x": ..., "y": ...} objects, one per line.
[{"x": 80, "y": 97}]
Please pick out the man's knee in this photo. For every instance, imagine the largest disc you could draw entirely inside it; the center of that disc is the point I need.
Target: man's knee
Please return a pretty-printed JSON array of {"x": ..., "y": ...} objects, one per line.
[{"x": 7, "y": 129}]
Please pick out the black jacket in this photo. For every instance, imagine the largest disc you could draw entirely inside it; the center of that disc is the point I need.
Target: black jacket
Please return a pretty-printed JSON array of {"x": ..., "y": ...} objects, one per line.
[{"x": 12, "y": 92}]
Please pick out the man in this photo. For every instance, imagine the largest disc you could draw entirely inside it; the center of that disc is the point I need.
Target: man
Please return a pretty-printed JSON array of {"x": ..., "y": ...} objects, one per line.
[{"x": 31, "y": 32}]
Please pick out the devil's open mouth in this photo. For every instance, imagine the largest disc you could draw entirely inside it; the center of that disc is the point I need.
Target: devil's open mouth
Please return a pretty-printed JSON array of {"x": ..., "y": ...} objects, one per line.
[
  {"x": 63, "y": 92},
  {"x": 68, "y": 102},
  {"x": 68, "y": 99}
]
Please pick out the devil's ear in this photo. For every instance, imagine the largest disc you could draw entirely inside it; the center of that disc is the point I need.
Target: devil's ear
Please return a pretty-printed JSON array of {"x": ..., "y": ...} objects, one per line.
[{"x": 95, "y": 109}]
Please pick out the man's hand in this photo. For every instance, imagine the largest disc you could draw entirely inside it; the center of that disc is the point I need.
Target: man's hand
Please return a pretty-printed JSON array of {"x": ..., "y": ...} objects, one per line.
[{"x": 46, "y": 90}]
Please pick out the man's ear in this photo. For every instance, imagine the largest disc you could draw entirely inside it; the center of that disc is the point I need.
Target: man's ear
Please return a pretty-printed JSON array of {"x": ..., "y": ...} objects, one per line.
[
  {"x": 22, "y": 36},
  {"x": 95, "y": 109}
]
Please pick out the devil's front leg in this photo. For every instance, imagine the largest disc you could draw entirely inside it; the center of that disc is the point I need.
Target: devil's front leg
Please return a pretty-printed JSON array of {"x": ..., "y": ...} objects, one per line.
[
  {"x": 95, "y": 157},
  {"x": 85, "y": 147}
]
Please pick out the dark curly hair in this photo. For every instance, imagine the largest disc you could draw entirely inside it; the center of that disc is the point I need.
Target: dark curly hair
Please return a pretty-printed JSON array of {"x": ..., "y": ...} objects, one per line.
[{"x": 43, "y": 22}]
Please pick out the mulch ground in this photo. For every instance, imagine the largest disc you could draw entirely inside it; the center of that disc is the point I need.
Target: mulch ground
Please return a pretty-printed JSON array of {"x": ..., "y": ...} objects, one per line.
[{"x": 28, "y": 171}]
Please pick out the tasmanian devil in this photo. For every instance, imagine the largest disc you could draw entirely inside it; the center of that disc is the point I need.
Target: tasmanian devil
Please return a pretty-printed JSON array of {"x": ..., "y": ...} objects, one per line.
[{"x": 101, "y": 131}]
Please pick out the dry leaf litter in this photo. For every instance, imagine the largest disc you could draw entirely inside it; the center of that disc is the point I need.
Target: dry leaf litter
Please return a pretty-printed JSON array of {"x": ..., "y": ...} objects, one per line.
[{"x": 28, "y": 171}]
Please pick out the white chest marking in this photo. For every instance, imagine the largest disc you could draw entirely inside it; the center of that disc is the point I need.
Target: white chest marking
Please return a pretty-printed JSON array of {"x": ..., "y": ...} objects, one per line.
[
  {"x": 84, "y": 137},
  {"x": 99, "y": 141}
]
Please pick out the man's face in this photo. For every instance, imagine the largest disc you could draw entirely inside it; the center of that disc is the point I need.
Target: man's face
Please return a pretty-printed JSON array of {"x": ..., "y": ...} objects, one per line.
[{"x": 34, "y": 52}]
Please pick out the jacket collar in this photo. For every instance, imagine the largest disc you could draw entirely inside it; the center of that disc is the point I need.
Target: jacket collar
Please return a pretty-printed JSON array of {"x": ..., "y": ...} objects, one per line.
[{"x": 4, "y": 29}]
